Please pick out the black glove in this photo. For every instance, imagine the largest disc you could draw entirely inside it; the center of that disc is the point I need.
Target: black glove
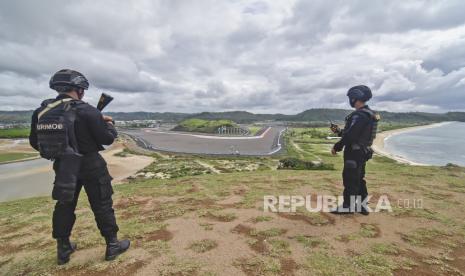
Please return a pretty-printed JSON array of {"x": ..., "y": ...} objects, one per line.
[
  {"x": 335, "y": 129},
  {"x": 338, "y": 146}
]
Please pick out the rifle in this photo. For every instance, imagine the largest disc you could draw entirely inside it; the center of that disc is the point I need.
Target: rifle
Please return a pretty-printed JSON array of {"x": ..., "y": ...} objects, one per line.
[{"x": 104, "y": 100}]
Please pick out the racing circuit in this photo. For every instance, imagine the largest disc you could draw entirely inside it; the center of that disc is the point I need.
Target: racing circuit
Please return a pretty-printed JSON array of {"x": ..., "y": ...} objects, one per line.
[{"x": 267, "y": 143}]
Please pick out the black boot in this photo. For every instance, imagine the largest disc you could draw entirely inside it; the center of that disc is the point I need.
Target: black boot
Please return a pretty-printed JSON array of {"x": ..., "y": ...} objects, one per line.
[
  {"x": 364, "y": 211},
  {"x": 115, "y": 247},
  {"x": 64, "y": 249}
]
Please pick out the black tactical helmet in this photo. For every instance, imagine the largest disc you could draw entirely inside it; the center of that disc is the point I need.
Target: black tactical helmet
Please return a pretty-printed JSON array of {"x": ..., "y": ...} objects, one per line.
[
  {"x": 359, "y": 92},
  {"x": 66, "y": 79}
]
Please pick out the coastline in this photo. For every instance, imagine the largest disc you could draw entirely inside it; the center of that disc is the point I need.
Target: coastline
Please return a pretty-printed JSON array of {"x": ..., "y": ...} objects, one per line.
[{"x": 379, "y": 143}]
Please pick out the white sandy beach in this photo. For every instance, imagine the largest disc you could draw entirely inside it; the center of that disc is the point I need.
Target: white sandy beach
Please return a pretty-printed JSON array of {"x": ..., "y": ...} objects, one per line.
[{"x": 378, "y": 144}]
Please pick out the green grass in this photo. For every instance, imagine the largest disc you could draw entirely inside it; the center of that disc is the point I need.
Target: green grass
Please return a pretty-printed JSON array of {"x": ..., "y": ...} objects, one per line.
[
  {"x": 374, "y": 264},
  {"x": 297, "y": 164},
  {"x": 319, "y": 263},
  {"x": 13, "y": 156},
  {"x": 424, "y": 237},
  {"x": 124, "y": 153},
  {"x": 180, "y": 267},
  {"x": 262, "y": 219},
  {"x": 254, "y": 129},
  {"x": 203, "y": 245},
  {"x": 268, "y": 233},
  {"x": 279, "y": 248},
  {"x": 311, "y": 242},
  {"x": 12, "y": 133},
  {"x": 385, "y": 249}
]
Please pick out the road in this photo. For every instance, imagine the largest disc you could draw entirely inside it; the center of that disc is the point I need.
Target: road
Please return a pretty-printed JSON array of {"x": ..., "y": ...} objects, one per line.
[
  {"x": 35, "y": 177},
  {"x": 269, "y": 142},
  {"x": 25, "y": 179}
]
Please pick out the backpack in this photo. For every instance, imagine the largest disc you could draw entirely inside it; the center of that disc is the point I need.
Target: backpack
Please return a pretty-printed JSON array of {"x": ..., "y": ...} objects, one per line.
[
  {"x": 55, "y": 129},
  {"x": 56, "y": 140}
]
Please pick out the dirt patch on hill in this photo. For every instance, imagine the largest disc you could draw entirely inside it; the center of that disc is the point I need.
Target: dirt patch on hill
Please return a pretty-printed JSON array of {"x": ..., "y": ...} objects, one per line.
[
  {"x": 126, "y": 270},
  {"x": 125, "y": 202},
  {"x": 193, "y": 189},
  {"x": 259, "y": 243},
  {"x": 198, "y": 203},
  {"x": 160, "y": 235},
  {"x": 121, "y": 168},
  {"x": 288, "y": 266},
  {"x": 458, "y": 258},
  {"x": 317, "y": 219}
]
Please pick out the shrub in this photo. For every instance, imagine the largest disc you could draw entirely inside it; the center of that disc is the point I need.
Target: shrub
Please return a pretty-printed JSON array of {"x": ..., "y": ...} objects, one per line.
[{"x": 297, "y": 164}]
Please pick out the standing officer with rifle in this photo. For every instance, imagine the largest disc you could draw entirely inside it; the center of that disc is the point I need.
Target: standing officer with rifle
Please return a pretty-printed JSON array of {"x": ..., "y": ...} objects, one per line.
[
  {"x": 356, "y": 139},
  {"x": 71, "y": 133}
]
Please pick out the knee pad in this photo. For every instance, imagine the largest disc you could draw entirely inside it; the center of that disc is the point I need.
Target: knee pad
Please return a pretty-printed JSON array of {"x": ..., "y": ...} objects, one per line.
[{"x": 350, "y": 164}]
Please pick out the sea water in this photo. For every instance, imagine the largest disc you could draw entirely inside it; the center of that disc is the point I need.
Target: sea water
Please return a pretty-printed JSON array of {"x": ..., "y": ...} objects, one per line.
[{"x": 433, "y": 146}]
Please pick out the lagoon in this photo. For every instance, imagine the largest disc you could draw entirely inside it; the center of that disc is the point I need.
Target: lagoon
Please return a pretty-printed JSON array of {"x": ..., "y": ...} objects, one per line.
[{"x": 437, "y": 145}]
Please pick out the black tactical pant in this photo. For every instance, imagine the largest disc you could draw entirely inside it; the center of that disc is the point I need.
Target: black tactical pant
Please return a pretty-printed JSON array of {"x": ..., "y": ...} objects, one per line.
[
  {"x": 353, "y": 176},
  {"x": 96, "y": 180}
]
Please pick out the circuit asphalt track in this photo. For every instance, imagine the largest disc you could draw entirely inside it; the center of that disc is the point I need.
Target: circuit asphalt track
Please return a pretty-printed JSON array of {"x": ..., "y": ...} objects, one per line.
[{"x": 268, "y": 143}]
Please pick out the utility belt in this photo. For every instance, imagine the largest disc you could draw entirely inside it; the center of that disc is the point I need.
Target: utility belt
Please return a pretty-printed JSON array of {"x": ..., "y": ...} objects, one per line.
[{"x": 366, "y": 150}]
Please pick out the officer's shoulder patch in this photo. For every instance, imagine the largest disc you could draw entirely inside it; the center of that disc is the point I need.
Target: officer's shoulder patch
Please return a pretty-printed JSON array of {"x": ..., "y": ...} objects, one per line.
[{"x": 377, "y": 117}]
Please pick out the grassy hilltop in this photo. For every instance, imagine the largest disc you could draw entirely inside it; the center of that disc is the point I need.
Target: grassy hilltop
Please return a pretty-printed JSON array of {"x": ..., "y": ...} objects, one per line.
[
  {"x": 205, "y": 126},
  {"x": 194, "y": 215}
]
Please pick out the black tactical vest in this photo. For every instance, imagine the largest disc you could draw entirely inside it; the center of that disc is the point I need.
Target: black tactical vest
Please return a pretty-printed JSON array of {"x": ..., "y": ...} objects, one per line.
[
  {"x": 55, "y": 128},
  {"x": 369, "y": 133}
]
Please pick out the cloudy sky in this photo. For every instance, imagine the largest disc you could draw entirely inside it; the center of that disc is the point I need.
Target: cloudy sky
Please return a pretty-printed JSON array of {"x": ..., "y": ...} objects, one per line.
[{"x": 261, "y": 56}]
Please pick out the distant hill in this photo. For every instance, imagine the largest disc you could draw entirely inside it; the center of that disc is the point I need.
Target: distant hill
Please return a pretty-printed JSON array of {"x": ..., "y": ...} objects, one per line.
[
  {"x": 315, "y": 115},
  {"x": 165, "y": 116},
  {"x": 243, "y": 117},
  {"x": 12, "y": 117},
  {"x": 15, "y": 117},
  {"x": 240, "y": 117}
]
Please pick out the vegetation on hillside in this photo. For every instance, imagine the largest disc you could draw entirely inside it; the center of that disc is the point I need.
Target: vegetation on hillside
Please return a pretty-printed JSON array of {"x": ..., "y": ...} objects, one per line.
[
  {"x": 316, "y": 115},
  {"x": 206, "y": 126},
  {"x": 14, "y": 117},
  {"x": 241, "y": 117},
  {"x": 11, "y": 133},
  {"x": 253, "y": 130},
  {"x": 297, "y": 164}
]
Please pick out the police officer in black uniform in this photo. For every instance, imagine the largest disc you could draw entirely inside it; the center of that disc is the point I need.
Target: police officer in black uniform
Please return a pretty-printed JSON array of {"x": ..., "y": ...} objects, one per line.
[
  {"x": 89, "y": 131},
  {"x": 356, "y": 140}
]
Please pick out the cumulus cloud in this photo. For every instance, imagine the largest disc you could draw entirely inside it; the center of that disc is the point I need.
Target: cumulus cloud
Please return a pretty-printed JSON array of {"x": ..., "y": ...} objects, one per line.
[{"x": 261, "y": 56}]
